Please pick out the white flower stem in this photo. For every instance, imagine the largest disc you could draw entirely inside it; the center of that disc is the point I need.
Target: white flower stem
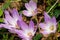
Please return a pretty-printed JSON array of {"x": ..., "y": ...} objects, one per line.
[{"x": 52, "y": 6}]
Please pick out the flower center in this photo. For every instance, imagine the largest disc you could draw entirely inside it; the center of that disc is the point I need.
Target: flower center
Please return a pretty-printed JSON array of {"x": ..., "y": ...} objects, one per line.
[
  {"x": 33, "y": 12},
  {"x": 52, "y": 27},
  {"x": 29, "y": 34},
  {"x": 17, "y": 27}
]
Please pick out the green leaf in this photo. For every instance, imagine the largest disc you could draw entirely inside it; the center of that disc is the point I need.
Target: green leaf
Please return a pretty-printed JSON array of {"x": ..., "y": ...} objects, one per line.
[
  {"x": 37, "y": 37},
  {"x": 6, "y": 5},
  {"x": 1, "y": 20},
  {"x": 56, "y": 13},
  {"x": 58, "y": 26},
  {"x": 47, "y": 8},
  {"x": 59, "y": 4},
  {"x": 5, "y": 37},
  {"x": 12, "y": 37},
  {"x": 1, "y": 12}
]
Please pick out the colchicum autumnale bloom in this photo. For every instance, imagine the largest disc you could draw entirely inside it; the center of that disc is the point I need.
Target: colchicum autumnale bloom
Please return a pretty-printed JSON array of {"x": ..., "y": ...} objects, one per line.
[
  {"x": 31, "y": 9},
  {"x": 10, "y": 21},
  {"x": 49, "y": 26},
  {"x": 26, "y": 32}
]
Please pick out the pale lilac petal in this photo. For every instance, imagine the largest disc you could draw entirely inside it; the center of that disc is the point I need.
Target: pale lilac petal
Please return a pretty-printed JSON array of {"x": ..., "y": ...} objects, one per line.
[
  {"x": 42, "y": 25},
  {"x": 44, "y": 32},
  {"x": 27, "y": 13},
  {"x": 22, "y": 24},
  {"x": 6, "y": 26},
  {"x": 46, "y": 17},
  {"x": 28, "y": 6},
  {"x": 12, "y": 31},
  {"x": 5, "y": 21},
  {"x": 15, "y": 13},
  {"x": 1, "y": 26},
  {"x": 53, "y": 20},
  {"x": 20, "y": 33},
  {"x": 20, "y": 17},
  {"x": 26, "y": 39},
  {"x": 31, "y": 25},
  {"x": 8, "y": 17},
  {"x": 10, "y": 21},
  {"x": 33, "y": 5}
]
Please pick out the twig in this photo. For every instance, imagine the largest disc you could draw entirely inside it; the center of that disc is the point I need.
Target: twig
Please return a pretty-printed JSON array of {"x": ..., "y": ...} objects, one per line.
[{"x": 53, "y": 6}]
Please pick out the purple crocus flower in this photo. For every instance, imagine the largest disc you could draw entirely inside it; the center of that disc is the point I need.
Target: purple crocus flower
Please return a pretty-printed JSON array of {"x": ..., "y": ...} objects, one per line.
[
  {"x": 31, "y": 9},
  {"x": 49, "y": 26},
  {"x": 27, "y": 31},
  {"x": 10, "y": 21}
]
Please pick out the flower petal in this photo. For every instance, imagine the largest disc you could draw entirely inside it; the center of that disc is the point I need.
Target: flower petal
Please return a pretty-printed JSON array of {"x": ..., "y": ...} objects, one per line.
[
  {"x": 20, "y": 33},
  {"x": 27, "y": 6},
  {"x": 33, "y": 5},
  {"x": 15, "y": 14},
  {"x": 53, "y": 20},
  {"x": 31, "y": 25},
  {"x": 27, "y": 39},
  {"x": 22, "y": 24},
  {"x": 47, "y": 17},
  {"x": 20, "y": 17},
  {"x": 1, "y": 26},
  {"x": 42, "y": 25},
  {"x": 8, "y": 17},
  {"x": 5, "y": 21},
  {"x": 27, "y": 13},
  {"x": 6, "y": 26},
  {"x": 12, "y": 31},
  {"x": 44, "y": 32}
]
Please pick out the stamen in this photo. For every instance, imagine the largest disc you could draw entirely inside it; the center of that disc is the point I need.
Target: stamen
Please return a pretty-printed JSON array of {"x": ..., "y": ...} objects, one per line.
[
  {"x": 29, "y": 34},
  {"x": 52, "y": 27},
  {"x": 17, "y": 27}
]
